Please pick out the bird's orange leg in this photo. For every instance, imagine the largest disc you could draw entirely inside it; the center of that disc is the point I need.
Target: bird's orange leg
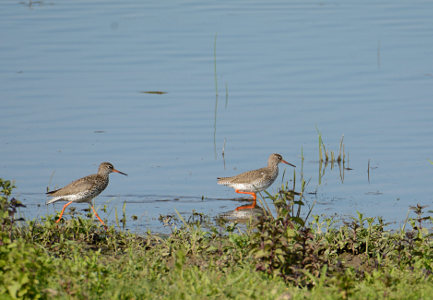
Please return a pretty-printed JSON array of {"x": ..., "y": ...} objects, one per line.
[
  {"x": 94, "y": 211},
  {"x": 252, "y": 205},
  {"x": 63, "y": 210}
]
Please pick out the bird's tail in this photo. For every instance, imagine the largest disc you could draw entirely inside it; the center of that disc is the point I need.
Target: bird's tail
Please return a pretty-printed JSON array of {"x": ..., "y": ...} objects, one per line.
[
  {"x": 222, "y": 180},
  {"x": 52, "y": 200}
]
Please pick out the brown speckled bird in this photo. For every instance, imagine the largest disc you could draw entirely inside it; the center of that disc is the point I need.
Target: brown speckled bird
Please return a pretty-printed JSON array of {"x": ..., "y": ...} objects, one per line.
[
  {"x": 84, "y": 189},
  {"x": 254, "y": 181}
]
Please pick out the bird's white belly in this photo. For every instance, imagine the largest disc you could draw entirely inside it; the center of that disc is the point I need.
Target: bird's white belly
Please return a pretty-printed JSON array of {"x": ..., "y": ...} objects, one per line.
[
  {"x": 251, "y": 187},
  {"x": 77, "y": 198}
]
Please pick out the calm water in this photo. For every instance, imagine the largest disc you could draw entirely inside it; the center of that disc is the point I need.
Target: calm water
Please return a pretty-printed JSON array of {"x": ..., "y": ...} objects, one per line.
[{"x": 72, "y": 75}]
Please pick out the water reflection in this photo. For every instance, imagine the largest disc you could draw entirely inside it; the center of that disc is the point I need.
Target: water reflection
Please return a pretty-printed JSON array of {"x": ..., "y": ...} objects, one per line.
[
  {"x": 243, "y": 215},
  {"x": 341, "y": 167}
]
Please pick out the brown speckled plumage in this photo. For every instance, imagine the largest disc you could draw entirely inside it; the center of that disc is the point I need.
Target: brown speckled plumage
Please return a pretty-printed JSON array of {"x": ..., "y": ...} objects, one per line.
[
  {"x": 254, "y": 181},
  {"x": 84, "y": 189}
]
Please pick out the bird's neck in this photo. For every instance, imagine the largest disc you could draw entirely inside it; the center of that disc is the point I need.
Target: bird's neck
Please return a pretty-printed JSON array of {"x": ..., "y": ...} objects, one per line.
[
  {"x": 272, "y": 166},
  {"x": 104, "y": 175}
]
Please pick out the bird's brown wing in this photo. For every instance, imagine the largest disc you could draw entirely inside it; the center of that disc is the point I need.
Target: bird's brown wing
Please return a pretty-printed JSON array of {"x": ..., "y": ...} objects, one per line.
[
  {"x": 76, "y": 186},
  {"x": 246, "y": 177}
]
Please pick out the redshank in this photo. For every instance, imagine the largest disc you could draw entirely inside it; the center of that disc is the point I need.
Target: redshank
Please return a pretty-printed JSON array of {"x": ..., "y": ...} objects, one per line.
[
  {"x": 84, "y": 189},
  {"x": 254, "y": 181}
]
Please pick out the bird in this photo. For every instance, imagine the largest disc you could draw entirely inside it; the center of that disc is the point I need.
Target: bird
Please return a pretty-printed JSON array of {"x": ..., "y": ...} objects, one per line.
[
  {"x": 84, "y": 189},
  {"x": 254, "y": 181}
]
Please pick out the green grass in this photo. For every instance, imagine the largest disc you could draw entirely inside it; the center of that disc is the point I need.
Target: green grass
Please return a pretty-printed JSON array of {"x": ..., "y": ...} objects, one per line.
[{"x": 283, "y": 256}]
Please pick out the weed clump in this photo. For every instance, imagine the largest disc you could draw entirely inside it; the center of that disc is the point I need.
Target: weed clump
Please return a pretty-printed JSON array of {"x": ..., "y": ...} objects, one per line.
[
  {"x": 281, "y": 256},
  {"x": 322, "y": 254}
]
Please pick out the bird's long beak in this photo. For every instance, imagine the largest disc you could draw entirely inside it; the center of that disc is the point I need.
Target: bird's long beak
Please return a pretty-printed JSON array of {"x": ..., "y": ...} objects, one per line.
[
  {"x": 117, "y": 171},
  {"x": 287, "y": 163}
]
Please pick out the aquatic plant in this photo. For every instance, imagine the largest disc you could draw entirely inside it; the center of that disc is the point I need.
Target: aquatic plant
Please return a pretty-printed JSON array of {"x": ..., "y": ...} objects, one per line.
[{"x": 325, "y": 156}]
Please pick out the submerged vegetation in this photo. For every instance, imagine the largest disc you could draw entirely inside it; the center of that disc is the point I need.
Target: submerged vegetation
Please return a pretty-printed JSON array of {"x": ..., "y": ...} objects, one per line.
[{"x": 287, "y": 256}]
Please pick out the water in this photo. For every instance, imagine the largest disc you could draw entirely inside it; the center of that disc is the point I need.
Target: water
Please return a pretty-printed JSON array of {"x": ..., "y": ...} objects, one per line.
[{"x": 73, "y": 73}]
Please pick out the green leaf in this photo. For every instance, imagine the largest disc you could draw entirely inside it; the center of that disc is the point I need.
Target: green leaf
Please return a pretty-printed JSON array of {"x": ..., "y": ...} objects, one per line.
[{"x": 13, "y": 289}]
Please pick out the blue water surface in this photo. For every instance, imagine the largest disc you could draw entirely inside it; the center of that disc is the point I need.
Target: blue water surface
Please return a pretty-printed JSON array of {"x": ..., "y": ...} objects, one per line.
[{"x": 243, "y": 78}]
